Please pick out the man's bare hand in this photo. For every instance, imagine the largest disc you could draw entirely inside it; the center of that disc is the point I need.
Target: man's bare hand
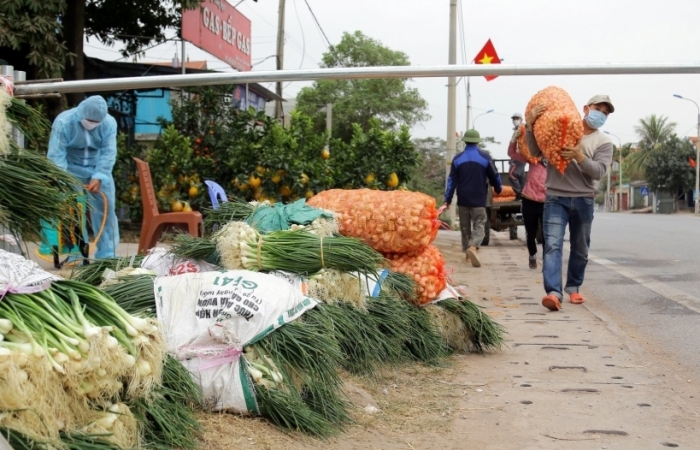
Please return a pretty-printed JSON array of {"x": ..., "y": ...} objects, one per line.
[
  {"x": 569, "y": 153},
  {"x": 534, "y": 114},
  {"x": 94, "y": 186}
]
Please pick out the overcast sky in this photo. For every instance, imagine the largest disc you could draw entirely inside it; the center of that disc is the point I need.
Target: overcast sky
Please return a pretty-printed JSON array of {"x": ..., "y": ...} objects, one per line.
[{"x": 523, "y": 32}]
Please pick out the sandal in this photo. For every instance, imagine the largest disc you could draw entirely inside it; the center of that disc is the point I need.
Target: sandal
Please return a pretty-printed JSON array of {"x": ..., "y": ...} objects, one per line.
[
  {"x": 551, "y": 302},
  {"x": 576, "y": 298}
]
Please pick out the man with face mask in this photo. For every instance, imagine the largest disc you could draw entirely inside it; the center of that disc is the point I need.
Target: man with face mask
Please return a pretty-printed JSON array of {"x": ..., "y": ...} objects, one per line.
[
  {"x": 84, "y": 143},
  {"x": 516, "y": 173},
  {"x": 569, "y": 200}
]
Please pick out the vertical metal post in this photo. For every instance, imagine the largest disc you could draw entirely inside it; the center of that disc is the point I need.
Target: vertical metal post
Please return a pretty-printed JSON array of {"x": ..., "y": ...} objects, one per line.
[
  {"x": 183, "y": 63},
  {"x": 451, "y": 100},
  {"x": 329, "y": 123},
  {"x": 279, "y": 113},
  {"x": 8, "y": 71},
  {"x": 17, "y": 134},
  {"x": 247, "y": 95},
  {"x": 469, "y": 103}
]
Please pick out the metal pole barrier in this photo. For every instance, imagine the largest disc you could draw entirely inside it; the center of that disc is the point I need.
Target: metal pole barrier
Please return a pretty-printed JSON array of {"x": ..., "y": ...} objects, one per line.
[
  {"x": 17, "y": 134},
  {"x": 353, "y": 73}
]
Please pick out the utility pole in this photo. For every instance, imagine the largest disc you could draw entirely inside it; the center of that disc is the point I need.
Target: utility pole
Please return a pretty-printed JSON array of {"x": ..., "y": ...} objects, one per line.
[
  {"x": 469, "y": 103},
  {"x": 279, "y": 113},
  {"x": 451, "y": 102}
]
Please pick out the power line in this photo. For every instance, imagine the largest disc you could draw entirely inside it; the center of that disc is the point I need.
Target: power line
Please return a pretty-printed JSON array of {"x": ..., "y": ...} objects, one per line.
[{"x": 318, "y": 24}]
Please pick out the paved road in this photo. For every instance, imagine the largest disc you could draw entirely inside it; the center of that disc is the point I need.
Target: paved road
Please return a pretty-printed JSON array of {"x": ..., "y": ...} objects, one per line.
[{"x": 645, "y": 270}]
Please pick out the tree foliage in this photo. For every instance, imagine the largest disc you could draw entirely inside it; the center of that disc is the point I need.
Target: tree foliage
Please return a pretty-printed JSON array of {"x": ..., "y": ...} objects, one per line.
[
  {"x": 668, "y": 168},
  {"x": 652, "y": 131},
  {"x": 429, "y": 176},
  {"x": 389, "y": 101},
  {"x": 137, "y": 23},
  {"x": 30, "y": 35}
]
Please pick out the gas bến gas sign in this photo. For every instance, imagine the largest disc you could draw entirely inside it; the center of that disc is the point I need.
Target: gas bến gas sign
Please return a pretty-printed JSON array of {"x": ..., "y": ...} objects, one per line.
[{"x": 220, "y": 29}]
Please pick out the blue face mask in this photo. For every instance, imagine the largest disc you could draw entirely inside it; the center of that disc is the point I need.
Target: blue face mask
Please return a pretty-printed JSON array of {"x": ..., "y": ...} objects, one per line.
[{"x": 595, "y": 119}]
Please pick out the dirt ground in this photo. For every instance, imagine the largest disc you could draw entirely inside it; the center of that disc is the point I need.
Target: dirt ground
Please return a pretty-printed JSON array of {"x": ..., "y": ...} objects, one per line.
[{"x": 570, "y": 380}]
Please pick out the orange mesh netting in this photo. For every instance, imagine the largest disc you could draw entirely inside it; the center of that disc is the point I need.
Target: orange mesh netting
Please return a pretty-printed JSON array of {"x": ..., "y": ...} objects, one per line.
[
  {"x": 560, "y": 125},
  {"x": 389, "y": 221},
  {"x": 427, "y": 268},
  {"x": 524, "y": 149}
]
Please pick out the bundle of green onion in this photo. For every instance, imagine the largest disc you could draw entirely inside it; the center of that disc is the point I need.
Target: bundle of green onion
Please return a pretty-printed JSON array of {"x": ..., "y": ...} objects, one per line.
[
  {"x": 235, "y": 210},
  {"x": 242, "y": 247},
  {"x": 93, "y": 273},
  {"x": 33, "y": 124},
  {"x": 66, "y": 354},
  {"x": 34, "y": 190}
]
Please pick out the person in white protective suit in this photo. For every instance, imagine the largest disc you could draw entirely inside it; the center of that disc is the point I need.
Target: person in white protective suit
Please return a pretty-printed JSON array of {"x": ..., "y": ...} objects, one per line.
[{"x": 84, "y": 143}]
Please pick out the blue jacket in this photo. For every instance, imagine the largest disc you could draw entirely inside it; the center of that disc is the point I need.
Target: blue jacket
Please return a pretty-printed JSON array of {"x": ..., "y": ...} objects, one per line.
[
  {"x": 85, "y": 154},
  {"x": 468, "y": 175}
]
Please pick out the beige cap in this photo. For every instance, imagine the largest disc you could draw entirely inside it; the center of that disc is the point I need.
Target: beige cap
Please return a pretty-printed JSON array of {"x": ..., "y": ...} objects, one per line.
[{"x": 602, "y": 99}]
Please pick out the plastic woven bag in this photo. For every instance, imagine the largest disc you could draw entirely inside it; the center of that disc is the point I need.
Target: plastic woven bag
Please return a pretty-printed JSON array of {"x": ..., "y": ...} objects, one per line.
[
  {"x": 559, "y": 126},
  {"x": 389, "y": 221}
]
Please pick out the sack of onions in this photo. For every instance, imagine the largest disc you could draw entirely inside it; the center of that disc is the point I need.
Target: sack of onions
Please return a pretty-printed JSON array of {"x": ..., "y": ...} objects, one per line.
[
  {"x": 559, "y": 126},
  {"x": 389, "y": 221},
  {"x": 427, "y": 268}
]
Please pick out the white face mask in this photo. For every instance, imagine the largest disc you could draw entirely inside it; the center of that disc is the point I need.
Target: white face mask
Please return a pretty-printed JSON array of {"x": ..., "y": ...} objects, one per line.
[
  {"x": 89, "y": 125},
  {"x": 517, "y": 122}
]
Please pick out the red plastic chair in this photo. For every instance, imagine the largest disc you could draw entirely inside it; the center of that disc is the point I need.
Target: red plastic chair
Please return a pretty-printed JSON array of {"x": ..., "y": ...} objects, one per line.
[{"x": 153, "y": 221}]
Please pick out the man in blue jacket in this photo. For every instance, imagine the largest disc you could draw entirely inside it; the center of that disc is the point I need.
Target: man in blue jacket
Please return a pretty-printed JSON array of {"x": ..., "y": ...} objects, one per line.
[
  {"x": 84, "y": 143},
  {"x": 469, "y": 173}
]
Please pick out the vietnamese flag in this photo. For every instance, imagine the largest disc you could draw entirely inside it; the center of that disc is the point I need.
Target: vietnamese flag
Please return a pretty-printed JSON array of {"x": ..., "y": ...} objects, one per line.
[
  {"x": 488, "y": 55},
  {"x": 692, "y": 162}
]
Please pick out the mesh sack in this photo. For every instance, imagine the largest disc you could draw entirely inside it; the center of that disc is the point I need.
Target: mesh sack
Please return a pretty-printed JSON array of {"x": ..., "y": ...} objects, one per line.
[{"x": 389, "y": 221}]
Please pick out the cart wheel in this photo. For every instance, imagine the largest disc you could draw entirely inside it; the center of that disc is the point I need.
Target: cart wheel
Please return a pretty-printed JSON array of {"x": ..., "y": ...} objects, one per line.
[
  {"x": 513, "y": 233},
  {"x": 487, "y": 232}
]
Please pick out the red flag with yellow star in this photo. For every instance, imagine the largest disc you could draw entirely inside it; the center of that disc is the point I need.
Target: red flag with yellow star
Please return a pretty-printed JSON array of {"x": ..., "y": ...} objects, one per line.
[{"x": 488, "y": 55}]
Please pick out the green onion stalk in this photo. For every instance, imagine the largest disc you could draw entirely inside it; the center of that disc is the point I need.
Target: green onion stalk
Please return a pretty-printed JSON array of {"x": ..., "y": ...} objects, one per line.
[
  {"x": 408, "y": 328},
  {"x": 33, "y": 124},
  {"x": 484, "y": 332},
  {"x": 93, "y": 273},
  {"x": 235, "y": 210},
  {"x": 363, "y": 345},
  {"x": 34, "y": 190}
]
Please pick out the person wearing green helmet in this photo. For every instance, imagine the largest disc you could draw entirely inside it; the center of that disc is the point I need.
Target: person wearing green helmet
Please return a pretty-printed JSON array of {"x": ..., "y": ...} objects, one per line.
[{"x": 469, "y": 172}]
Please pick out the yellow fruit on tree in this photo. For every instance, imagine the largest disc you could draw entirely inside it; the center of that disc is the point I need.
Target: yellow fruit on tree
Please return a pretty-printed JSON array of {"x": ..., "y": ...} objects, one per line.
[
  {"x": 304, "y": 178},
  {"x": 285, "y": 191},
  {"x": 260, "y": 170},
  {"x": 393, "y": 180},
  {"x": 187, "y": 207},
  {"x": 176, "y": 206},
  {"x": 276, "y": 178},
  {"x": 325, "y": 154},
  {"x": 309, "y": 194},
  {"x": 234, "y": 182},
  {"x": 243, "y": 187},
  {"x": 369, "y": 179},
  {"x": 193, "y": 192},
  {"x": 254, "y": 181}
]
